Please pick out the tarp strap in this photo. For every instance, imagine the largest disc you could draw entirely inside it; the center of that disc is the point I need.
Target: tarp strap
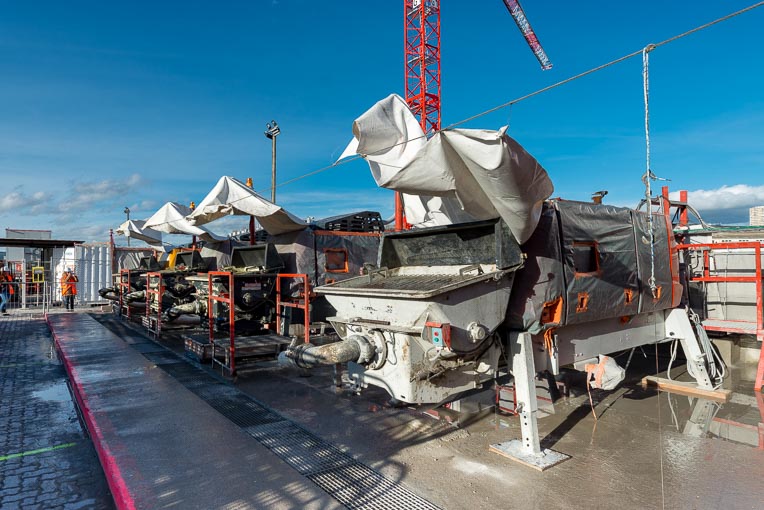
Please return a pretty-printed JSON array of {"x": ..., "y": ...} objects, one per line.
[{"x": 592, "y": 372}]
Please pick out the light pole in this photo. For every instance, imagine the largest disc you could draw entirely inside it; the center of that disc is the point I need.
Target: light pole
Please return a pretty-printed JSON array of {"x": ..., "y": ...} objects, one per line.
[
  {"x": 127, "y": 211},
  {"x": 272, "y": 130}
]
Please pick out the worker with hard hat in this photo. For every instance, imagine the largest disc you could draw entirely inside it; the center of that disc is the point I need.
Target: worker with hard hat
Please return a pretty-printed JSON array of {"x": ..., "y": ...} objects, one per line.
[
  {"x": 6, "y": 289},
  {"x": 69, "y": 287}
]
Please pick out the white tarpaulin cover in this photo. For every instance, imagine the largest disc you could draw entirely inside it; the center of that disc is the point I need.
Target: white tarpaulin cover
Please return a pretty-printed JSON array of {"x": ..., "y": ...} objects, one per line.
[
  {"x": 230, "y": 196},
  {"x": 137, "y": 230},
  {"x": 171, "y": 218},
  {"x": 457, "y": 175}
]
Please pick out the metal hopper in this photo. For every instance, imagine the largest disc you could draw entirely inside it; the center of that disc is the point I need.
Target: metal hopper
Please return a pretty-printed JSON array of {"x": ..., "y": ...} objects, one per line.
[{"x": 422, "y": 325}]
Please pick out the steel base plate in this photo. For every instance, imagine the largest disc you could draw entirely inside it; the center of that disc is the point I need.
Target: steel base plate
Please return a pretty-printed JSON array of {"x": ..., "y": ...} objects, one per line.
[{"x": 541, "y": 461}]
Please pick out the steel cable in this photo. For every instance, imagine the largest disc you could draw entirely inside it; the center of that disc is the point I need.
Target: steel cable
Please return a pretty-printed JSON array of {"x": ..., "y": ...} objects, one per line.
[{"x": 517, "y": 100}]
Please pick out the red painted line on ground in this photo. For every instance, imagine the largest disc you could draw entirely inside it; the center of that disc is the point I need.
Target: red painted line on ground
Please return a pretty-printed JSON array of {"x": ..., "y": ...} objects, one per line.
[{"x": 119, "y": 490}]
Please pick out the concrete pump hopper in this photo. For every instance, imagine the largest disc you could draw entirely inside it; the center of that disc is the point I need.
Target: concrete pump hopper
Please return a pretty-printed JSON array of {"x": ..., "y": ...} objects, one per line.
[{"x": 423, "y": 324}]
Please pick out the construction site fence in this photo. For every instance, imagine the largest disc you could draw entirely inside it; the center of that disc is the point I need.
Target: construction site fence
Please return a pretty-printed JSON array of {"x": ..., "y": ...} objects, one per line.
[{"x": 38, "y": 283}]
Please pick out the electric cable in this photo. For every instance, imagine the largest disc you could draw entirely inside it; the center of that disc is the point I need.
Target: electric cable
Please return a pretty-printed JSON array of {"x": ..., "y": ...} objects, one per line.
[{"x": 516, "y": 100}]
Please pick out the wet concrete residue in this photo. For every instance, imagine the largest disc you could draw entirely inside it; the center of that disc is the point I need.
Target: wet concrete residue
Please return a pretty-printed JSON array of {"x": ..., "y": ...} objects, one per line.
[{"x": 647, "y": 449}]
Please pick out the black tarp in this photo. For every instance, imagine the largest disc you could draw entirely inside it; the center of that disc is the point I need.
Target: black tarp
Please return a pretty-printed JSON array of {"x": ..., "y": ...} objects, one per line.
[{"x": 598, "y": 258}]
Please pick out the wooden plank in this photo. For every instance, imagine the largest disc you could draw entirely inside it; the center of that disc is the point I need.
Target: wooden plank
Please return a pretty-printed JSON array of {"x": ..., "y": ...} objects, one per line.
[{"x": 686, "y": 388}]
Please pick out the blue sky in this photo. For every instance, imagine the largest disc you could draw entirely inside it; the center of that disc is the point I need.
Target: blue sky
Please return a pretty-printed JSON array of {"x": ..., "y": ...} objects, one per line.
[{"x": 105, "y": 105}]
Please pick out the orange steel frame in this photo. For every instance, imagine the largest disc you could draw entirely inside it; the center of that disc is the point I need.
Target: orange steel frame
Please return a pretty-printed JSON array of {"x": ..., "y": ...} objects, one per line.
[
  {"x": 159, "y": 292},
  {"x": 732, "y": 326},
  {"x": 303, "y": 304},
  {"x": 124, "y": 287},
  {"x": 227, "y": 299}
]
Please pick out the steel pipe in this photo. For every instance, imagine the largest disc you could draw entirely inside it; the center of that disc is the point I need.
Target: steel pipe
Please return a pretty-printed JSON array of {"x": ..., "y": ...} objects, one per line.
[{"x": 355, "y": 348}]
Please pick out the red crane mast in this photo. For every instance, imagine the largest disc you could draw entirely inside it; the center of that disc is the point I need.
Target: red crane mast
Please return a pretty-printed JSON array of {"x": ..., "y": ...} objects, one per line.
[
  {"x": 421, "y": 20},
  {"x": 422, "y": 61}
]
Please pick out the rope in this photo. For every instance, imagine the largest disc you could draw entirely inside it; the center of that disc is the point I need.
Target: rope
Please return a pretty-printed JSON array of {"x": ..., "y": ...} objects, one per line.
[
  {"x": 522, "y": 98},
  {"x": 648, "y": 176}
]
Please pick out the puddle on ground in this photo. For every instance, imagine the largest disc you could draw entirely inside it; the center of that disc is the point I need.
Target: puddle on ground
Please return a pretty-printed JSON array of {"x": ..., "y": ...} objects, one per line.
[
  {"x": 737, "y": 421},
  {"x": 62, "y": 415},
  {"x": 58, "y": 392}
]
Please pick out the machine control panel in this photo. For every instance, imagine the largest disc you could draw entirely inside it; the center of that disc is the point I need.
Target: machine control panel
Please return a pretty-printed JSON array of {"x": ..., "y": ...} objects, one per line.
[{"x": 439, "y": 333}]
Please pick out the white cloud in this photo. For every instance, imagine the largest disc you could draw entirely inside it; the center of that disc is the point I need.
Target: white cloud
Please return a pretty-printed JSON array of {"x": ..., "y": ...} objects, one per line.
[
  {"x": 84, "y": 195},
  {"x": 727, "y": 204},
  {"x": 19, "y": 202},
  {"x": 725, "y": 197}
]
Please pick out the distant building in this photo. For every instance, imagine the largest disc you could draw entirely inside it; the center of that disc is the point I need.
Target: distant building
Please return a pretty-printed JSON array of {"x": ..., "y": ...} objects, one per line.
[
  {"x": 24, "y": 252},
  {"x": 756, "y": 215}
]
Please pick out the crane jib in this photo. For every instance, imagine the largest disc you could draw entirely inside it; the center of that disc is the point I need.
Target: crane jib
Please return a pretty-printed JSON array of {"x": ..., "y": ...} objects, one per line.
[{"x": 514, "y": 8}]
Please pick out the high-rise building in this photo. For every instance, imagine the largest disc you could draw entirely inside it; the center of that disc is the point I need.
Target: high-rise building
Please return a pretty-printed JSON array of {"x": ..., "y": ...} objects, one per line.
[{"x": 756, "y": 215}]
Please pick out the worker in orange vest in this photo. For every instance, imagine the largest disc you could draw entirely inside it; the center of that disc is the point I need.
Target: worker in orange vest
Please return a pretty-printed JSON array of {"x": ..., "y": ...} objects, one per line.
[
  {"x": 69, "y": 288},
  {"x": 6, "y": 289}
]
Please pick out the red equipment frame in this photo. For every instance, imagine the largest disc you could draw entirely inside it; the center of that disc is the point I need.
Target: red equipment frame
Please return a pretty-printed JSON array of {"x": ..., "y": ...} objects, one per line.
[
  {"x": 159, "y": 292},
  {"x": 228, "y": 299},
  {"x": 303, "y": 304},
  {"x": 124, "y": 287},
  {"x": 735, "y": 326}
]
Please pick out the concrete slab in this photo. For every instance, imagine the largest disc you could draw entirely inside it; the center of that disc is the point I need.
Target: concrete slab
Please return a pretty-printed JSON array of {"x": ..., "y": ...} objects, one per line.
[{"x": 160, "y": 445}]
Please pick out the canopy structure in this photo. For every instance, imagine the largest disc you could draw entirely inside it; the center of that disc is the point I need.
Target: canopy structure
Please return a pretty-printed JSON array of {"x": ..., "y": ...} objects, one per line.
[
  {"x": 171, "y": 218},
  {"x": 232, "y": 197},
  {"x": 457, "y": 175},
  {"x": 136, "y": 229}
]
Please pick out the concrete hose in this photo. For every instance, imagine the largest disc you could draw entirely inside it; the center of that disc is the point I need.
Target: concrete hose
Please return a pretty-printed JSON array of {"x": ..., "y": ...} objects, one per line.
[
  {"x": 355, "y": 348},
  {"x": 109, "y": 293},
  {"x": 138, "y": 295},
  {"x": 197, "y": 307}
]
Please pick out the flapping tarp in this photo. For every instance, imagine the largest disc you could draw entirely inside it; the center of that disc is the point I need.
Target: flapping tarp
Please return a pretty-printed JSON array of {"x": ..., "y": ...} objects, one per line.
[
  {"x": 230, "y": 196},
  {"x": 136, "y": 229},
  {"x": 456, "y": 176},
  {"x": 171, "y": 218}
]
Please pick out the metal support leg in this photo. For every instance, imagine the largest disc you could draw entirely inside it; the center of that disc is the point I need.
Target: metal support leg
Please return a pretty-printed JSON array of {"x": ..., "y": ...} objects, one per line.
[
  {"x": 528, "y": 450},
  {"x": 525, "y": 387},
  {"x": 703, "y": 412},
  {"x": 678, "y": 326}
]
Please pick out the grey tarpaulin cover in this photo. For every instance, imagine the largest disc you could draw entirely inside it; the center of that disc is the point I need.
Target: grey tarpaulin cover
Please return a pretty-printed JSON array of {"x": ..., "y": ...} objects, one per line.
[
  {"x": 137, "y": 230},
  {"x": 128, "y": 258},
  {"x": 456, "y": 176},
  {"x": 230, "y": 196},
  {"x": 171, "y": 218},
  {"x": 595, "y": 260},
  {"x": 315, "y": 253}
]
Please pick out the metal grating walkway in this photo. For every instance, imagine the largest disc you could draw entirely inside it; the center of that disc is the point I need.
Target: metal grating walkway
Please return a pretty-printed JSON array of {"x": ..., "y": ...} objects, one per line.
[
  {"x": 352, "y": 483},
  {"x": 405, "y": 282}
]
